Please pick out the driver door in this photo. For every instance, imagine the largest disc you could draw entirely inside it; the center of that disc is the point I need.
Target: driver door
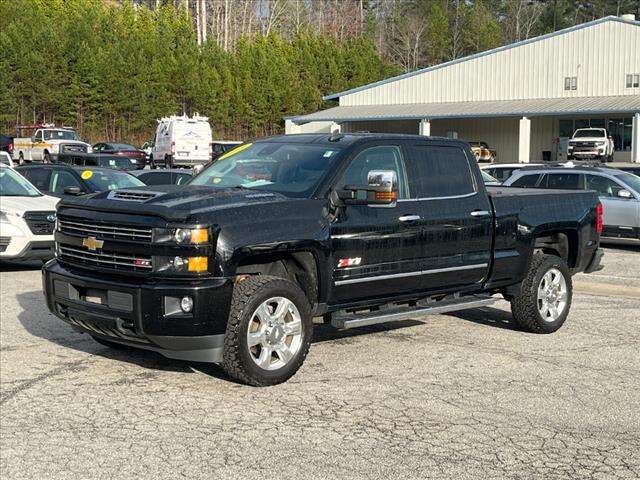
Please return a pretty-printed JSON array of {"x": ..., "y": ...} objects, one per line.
[{"x": 376, "y": 248}]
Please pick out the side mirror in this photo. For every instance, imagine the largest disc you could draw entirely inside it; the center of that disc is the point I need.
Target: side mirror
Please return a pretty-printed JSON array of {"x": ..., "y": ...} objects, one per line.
[
  {"x": 624, "y": 193},
  {"x": 381, "y": 189},
  {"x": 72, "y": 191}
]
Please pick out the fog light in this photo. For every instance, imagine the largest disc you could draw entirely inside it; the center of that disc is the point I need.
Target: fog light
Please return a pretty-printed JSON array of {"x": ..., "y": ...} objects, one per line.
[{"x": 186, "y": 304}]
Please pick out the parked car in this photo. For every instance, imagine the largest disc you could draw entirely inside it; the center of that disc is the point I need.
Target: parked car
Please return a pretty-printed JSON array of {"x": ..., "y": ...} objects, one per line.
[
  {"x": 137, "y": 157},
  {"x": 46, "y": 143},
  {"x": 502, "y": 171},
  {"x": 233, "y": 267},
  {"x": 6, "y": 144},
  {"x": 175, "y": 176},
  {"x": 626, "y": 167},
  {"x": 27, "y": 219},
  {"x": 98, "y": 160},
  {"x": 482, "y": 152},
  {"x": 619, "y": 193},
  {"x": 6, "y": 159},
  {"x": 590, "y": 143},
  {"x": 64, "y": 180},
  {"x": 220, "y": 147},
  {"x": 181, "y": 142}
]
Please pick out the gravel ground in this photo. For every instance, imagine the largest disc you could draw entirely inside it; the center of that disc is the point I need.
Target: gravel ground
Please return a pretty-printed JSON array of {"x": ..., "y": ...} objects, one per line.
[{"x": 461, "y": 395}]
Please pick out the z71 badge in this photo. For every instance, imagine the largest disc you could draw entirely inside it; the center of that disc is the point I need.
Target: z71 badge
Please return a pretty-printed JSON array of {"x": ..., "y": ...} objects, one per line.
[{"x": 349, "y": 262}]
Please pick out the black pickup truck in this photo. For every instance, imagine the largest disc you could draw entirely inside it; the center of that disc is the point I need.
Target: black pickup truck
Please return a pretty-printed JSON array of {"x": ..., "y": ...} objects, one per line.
[{"x": 355, "y": 229}]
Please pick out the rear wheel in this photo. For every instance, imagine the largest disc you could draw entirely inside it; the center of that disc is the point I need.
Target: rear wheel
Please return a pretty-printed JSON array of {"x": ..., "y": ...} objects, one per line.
[
  {"x": 20, "y": 158},
  {"x": 168, "y": 161},
  {"x": 269, "y": 331},
  {"x": 544, "y": 300},
  {"x": 46, "y": 157},
  {"x": 152, "y": 163}
]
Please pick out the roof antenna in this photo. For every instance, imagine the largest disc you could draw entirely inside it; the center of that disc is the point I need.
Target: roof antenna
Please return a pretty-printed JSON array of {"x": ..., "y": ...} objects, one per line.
[{"x": 335, "y": 136}]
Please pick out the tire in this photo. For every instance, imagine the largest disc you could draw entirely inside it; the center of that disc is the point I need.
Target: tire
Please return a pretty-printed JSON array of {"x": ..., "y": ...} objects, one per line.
[
  {"x": 250, "y": 296},
  {"x": 528, "y": 305},
  {"x": 20, "y": 158},
  {"x": 46, "y": 158},
  {"x": 168, "y": 161},
  {"x": 152, "y": 163}
]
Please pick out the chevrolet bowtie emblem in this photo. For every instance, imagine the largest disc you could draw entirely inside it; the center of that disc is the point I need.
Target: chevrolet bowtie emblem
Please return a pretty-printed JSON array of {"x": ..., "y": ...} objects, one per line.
[{"x": 92, "y": 243}]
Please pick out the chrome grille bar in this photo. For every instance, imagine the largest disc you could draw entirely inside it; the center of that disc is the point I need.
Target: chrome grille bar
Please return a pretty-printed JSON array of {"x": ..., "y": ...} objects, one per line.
[
  {"x": 105, "y": 258},
  {"x": 112, "y": 231}
]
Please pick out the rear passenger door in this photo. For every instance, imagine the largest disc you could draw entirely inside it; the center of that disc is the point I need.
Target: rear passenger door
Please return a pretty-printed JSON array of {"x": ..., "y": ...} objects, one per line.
[
  {"x": 620, "y": 215},
  {"x": 454, "y": 214}
]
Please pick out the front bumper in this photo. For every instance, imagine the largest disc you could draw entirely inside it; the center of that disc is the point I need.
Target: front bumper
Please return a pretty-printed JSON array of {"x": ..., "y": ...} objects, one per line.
[
  {"x": 135, "y": 313},
  {"x": 18, "y": 243}
]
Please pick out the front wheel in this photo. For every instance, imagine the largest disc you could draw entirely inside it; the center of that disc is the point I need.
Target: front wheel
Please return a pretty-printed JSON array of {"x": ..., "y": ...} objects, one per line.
[
  {"x": 46, "y": 158},
  {"x": 269, "y": 331},
  {"x": 544, "y": 300}
]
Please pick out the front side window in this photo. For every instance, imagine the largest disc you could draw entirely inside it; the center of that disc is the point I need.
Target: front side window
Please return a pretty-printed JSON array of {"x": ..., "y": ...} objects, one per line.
[
  {"x": 439, "y": 171},
  {"x": 62, "y": 179},
  {"x": 293, "y": 169},
  {"x": 383, "y": 157},
  {"x": 603, "y": 185}
]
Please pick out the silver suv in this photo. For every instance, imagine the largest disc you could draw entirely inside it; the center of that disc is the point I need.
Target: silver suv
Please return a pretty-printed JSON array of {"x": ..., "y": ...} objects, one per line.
[{"x": 619, "y": 193}]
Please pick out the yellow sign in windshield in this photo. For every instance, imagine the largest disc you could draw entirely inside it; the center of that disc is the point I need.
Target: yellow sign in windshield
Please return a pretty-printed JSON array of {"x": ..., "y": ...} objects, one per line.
[
  {"x": 238, "y": 149},
  {"x": 87, "y": 174}
]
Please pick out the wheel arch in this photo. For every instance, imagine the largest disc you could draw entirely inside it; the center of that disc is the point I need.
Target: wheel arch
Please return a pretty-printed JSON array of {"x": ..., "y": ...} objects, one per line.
[{"x": 564, "y": 243}]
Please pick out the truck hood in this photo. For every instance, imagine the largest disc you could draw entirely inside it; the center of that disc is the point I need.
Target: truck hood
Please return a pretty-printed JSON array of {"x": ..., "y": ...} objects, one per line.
[
  {"x": 27, "y": 204},
  {"x": 587, "y": 139},
  {"x": 172, "y": 202}
]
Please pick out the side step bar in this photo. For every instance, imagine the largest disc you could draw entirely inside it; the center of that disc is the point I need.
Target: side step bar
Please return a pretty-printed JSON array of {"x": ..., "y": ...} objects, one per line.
[{"x": 394, "y": 314}]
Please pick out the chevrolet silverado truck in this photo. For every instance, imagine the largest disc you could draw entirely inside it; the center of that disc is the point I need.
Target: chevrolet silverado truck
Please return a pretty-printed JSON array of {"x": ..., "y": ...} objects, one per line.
[
  {"x": 590, "y": 143},
  {"x": 46, "y": 144},
  {"x": 353, "y": 229}
]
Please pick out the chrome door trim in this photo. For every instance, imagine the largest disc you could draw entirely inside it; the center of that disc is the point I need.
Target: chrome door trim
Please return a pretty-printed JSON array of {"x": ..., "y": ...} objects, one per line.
[
  {"x": 409, "y": 274},
  {"x": 437, "y": 198}
]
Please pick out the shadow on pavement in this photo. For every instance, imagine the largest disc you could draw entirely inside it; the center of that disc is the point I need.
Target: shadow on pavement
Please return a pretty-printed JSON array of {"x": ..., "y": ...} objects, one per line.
[{"x": 490, "y": 316}]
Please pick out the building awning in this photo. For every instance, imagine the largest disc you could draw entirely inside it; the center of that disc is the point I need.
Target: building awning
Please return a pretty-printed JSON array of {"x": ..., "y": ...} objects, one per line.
[{"x": 495, "y": 108}]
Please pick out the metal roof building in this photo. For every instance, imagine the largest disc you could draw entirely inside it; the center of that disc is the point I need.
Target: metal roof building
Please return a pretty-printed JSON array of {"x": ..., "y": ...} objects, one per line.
[{"x": 523, "y": 99}]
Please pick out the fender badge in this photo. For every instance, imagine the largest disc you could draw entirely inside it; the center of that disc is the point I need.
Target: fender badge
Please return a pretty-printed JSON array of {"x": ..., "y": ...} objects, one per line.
[
  {"x": 349, "y": 262},
  {"x": 92, "y": 243}
]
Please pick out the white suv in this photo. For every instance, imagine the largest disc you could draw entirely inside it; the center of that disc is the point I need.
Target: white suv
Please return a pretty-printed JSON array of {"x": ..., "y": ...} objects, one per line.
[{"x": 27, "y": 219}]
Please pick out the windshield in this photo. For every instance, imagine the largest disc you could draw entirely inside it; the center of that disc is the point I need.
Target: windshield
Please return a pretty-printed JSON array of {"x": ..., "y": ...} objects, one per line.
[
  {"x": 630, "y": 179},
  {"x": 12, "y": 184},
  {"x": 60, "y": 135},
  {"x": 588, "y": 133},
  {"x": 293, "y": 169},
  {"x": 102, "y": 180}
]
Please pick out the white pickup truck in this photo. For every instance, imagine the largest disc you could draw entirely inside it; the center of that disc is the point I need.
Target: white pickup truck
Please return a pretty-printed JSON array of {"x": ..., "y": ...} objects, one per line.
[
  {"x": 46, "y": 144},
  {"x": 590, "y": 143}
]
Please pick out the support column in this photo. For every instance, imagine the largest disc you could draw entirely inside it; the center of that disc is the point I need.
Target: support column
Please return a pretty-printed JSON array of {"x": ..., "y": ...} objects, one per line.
[
  {"x": 290, "y": 127},
  {"x": 635, "y": 139},
  {"x": 336, "y": 127},
  {"x": 424, "y": 128},
  {"x": 524, "y": 141}
]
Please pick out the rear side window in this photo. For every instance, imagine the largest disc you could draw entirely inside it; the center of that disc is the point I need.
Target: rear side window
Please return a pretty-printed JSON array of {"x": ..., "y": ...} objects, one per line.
[
  {"x": 501, "y": 173},
  {"x": 568, "y": 181},
  {"x": 526, "y": 181},
  {"x": 603, "y": 185},
  {"x": 439, "y": 171},
  {"x": 38, "y": 177}
]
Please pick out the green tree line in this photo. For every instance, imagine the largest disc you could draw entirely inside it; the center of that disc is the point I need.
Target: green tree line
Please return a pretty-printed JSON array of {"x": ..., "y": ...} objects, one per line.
[{"x": 111, "y": 70}]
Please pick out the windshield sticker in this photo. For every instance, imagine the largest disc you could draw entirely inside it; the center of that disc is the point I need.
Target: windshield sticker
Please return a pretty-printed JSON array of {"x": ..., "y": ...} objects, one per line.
[
  {"x": 238, "y": 149},
  {"x": 216, "y": 179},
  {"x": 328, "y": 153},
  {"x": 86, "y": 175}
]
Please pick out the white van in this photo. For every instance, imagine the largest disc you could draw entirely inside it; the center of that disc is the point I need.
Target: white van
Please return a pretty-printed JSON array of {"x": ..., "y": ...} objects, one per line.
[{"x": 181, "y": 142}]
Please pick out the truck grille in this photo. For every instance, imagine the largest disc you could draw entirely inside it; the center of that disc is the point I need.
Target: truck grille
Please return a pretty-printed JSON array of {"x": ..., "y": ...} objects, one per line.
[
  {"x": 40, "y": 223},
  {"x": 103, "y": 230},
  {"x": 72, "y": 148},
  {"x": 105, "y": 259}
]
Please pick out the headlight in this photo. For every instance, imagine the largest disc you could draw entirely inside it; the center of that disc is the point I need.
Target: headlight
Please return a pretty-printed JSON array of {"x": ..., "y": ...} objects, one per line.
[
  {"x": 180, "y": 264},
  {"x": 182, "y": 236}
]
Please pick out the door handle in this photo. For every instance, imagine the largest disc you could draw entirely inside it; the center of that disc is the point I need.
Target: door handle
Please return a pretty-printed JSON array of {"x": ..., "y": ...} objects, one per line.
[
  {"x": 409, "y": 218},
  {"x": 480, "y": 213}
]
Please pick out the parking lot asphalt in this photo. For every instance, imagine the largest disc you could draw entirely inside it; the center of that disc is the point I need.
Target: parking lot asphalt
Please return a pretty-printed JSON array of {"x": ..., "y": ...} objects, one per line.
[{"x": 463, "y": 395}]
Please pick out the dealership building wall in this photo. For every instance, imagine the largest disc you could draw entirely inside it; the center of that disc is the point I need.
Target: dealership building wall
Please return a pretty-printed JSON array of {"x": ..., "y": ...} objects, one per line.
[{"x": 523, "y": 99}]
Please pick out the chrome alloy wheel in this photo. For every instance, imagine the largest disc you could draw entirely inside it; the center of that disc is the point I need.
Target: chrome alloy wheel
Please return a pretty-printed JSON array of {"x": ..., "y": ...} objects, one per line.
[
  {"x": 552, "y": 295},
  {"x": 274, "y": 335}
]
